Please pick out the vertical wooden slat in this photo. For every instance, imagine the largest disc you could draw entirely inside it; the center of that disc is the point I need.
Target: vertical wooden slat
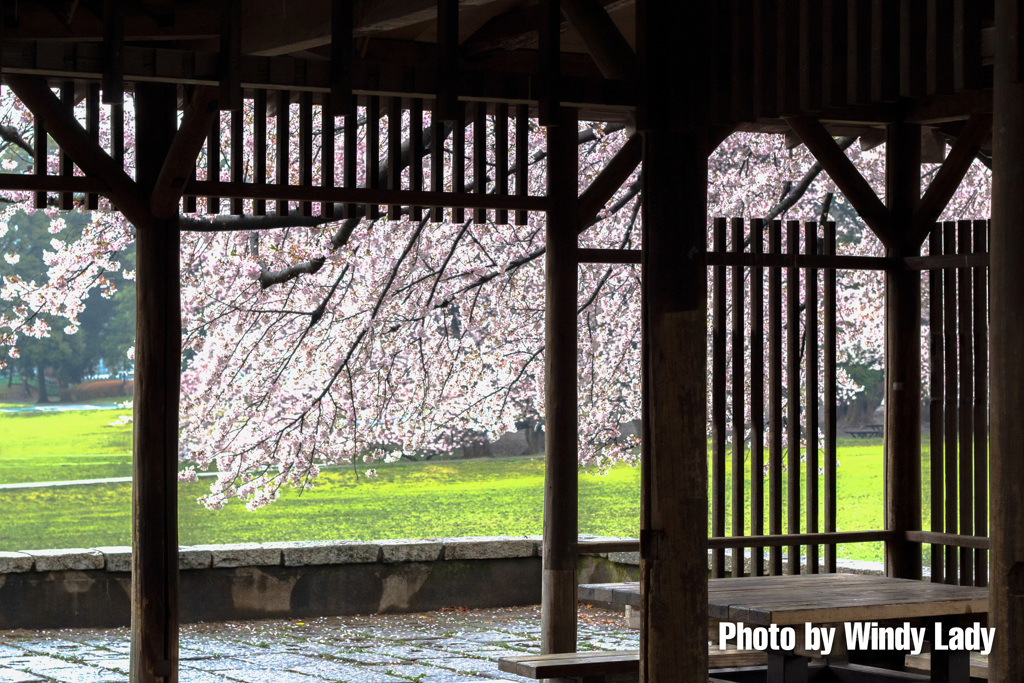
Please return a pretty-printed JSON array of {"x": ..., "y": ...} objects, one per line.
[
  {"x": 39, "y": 147},
  {"x": 437, "y": 138},
  {"x": 230, "y": 95},
  {"x": 757, "y": 396},
  {"x": 858, "y": 51},
  {"x": 306, "y": 147},
  {"x": 283, "y": 158},
  {"x": 373, "y": 151},
  {"x": 67, "y": 167},
  {"x": 549, "y": 61},
  {"x": 788, "y": 64},
  {"x": 480, "y": 157},
  {"x": 112, "y": 59},
  {"x": 830, "y": 399},
  {"x": 810, "y": 55},
  {"x": 833, "y": 60},
  {"x": 447, "y": 103},
  {"x": 793, "y": 394},
  {"x": 965, "y": 412},
  {"x": 939, "y": 60},
  {"x": 92, "y": 126},
  {"x": 718, "y": 343},
  {"x": 459, "y": 160},
  {"x": 213, "y": 163},
  {"x": 738, "y": 389},
  {"x": 522, "y": 158},
  {"x": 416, "y": 149},
  {"x": 775, "y": 441},
  {"x": 980, "y": 287},
  {"x": 936, "y": 384},
  {"x": 811, "y": 351},
  {"x": 501, "y": 158},
  {"x": 350, "y": 158},
  {"x": 967, "y": 24},
  {"x": 885, "y": 50},
  {"x": 765, "y": 58},
  {"x": 913, "y": 55},
  {"x": 394, "y": 109},
  {"x": 259, "y": 148},
  {"x": 341, "y": 101},
  {"x": 328, "y": 148},
  {"x": 237, "y": 156},
  {"x": 951, "y": 384}
]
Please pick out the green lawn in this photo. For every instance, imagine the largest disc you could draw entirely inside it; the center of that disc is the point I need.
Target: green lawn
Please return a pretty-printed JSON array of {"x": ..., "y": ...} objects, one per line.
[{"x": 406, "y": 500}]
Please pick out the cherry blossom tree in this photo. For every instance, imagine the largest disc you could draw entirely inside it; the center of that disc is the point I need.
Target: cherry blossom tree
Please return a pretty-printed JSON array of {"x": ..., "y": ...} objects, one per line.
[{"x": 310, "y": 341}]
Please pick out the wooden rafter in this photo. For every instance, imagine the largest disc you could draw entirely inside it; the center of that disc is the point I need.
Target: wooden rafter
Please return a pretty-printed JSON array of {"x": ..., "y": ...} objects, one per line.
[
  {"x": 605, "y": 43},
  {"x": 73, "y": 139},
  {"x": 839, "y": 167},
  {"x": 609, "y": 180},
  {"x": 950, "y": 174},
  {"x": 181, "y": 158}
]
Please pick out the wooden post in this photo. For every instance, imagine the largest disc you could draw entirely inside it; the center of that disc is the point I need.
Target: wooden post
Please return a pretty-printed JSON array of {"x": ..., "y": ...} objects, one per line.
[
  {"x": 903, "y": 356},
  {"x": 154, "y": 635},
  {"x": 1006, "y": 289},
  {"x": 558, "y": 614}
]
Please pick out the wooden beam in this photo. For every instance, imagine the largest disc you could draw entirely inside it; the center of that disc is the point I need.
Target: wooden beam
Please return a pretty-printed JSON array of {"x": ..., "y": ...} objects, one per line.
[
  {"x": 517, "y": 30},
  {"x": 561, "y": 412},
  {"x": 447, "y": 59},
  {"x": 231, "y": 56},
  {"x": 72, "y": 138},
  {"x": 154, "y": 634},
  {"x": 113, "y": 51},
  {"x": 846, "y": 176},
  {"x": 180, "y": 162},
  {"x": 1006, "y": 291},
  {"x": 605, "y": 43},
  {"x": 609, "y": 180},
  {"x": 950, "y": 174}
]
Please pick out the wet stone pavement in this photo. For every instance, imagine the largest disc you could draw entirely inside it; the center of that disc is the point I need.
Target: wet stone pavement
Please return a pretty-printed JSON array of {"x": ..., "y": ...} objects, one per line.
[{"x": 448, "y": 646}]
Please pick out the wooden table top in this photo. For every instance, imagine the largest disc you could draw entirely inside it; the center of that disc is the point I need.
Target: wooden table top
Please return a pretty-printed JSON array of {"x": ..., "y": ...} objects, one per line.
[{"x": 816, "y": 598}]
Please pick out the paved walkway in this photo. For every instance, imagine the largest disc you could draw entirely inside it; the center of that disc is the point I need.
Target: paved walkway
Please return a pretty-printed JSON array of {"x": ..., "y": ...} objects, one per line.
[{"x": 435, "y": 647}]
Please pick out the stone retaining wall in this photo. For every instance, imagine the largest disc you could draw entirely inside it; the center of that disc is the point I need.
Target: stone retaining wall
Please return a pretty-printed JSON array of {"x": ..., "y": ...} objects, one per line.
[{"x": 90, "y": 587}]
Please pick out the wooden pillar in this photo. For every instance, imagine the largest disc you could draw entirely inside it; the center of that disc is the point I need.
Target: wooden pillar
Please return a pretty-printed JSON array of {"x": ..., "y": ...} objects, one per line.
[
  {"x": 154, "y": 636},
  {"x": 674, "y": 503},
  {"x": 903, "y": 356},
  {"x": 1006, "y": 291},
  {"x": 561, "y": 415}
]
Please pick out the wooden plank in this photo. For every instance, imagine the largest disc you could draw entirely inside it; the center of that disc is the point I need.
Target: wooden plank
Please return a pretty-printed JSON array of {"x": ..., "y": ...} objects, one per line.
[
  {"x": 811, "y": 55},
  {"x": 831, "y": 455},
  {"x": 604, "y": 42},
  {"x": 92, "y": 126},
  {"x": 373, "y": 179},
  {"x": 549, "y": 61},
  {"x": 913, "y": 47},
  {"x": 501, "y": 157},
  {"x": 718, "y": 388},
  {"x": 833, "y": 60},
  {"x": 757, "y": 397},
  {"x": 775, "y": 396},
  {"x": 885, "y": 50},
  {"x": 65, "y": 167},
  {"x": 446, "y": 105},
  {"x": 858, "y": 51},
  {"x": 788, "y": 65},
  {"x": 328, "y": 152},
  {"x": 959, "y": 540},
  {"x": 350, "y": 159},
  {"x": 306, "y": 147},
  {"x": 213, "y": 162},
  {"x": 967, "y": 24},
  {"x": 601, "y": 189},
  {"x": 522, "y": 155},
  {"x": 939, "y": 65},
  {"x": 979, "y": 286},
  {"x": 19, "y": 182},
  {"x": 793, "y": 427},
  {"x": 113, "y": 51},
  {"x": 459, "y": 160},
  {"x": 1006, "y": 291},
  {"x": 936, "y": 390},
  {"x": 394, "y": 165},
  {"x": 230, "y": 91},
  {"x": 811, "y": 453},
  {"x": 416, "y": 153},
  {"x": 237, "y": 156},
  {"x": 39, "y": 157},
  {"x": 437, "y": 137},
  {"x": 480, "y": 157},
  {"x": 558, "y": 615},
  {"x": 965, "y": 414},
  {"x": 259, "y": 147},
  {"x": 154, "y": 588},
  {"x": 341, "y": 102},
  {"x": 738, "y": 389},
  {"x": 283, "y": 154},
  {"x": 951, "y": 386},
  {"x": 198, "y": 120}
]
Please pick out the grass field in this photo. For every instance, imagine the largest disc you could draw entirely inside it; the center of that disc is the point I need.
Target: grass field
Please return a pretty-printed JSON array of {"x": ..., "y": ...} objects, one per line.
[{"x": 406, "y": 500}]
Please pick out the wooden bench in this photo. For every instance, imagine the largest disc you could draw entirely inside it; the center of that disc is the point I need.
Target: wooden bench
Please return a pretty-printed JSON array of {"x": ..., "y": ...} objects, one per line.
[
  {"x": 923, "y": 663},
  {"x": 867, "y": 432},
  {"x": 619, "y": 665}
]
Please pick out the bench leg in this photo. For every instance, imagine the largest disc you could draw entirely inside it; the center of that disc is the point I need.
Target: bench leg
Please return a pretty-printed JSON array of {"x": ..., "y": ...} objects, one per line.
[{"x": 785, "y": 667}]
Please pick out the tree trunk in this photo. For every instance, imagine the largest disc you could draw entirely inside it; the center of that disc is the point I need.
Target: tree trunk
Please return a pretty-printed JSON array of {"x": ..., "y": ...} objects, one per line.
[{"x": 41, "y": 378}]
